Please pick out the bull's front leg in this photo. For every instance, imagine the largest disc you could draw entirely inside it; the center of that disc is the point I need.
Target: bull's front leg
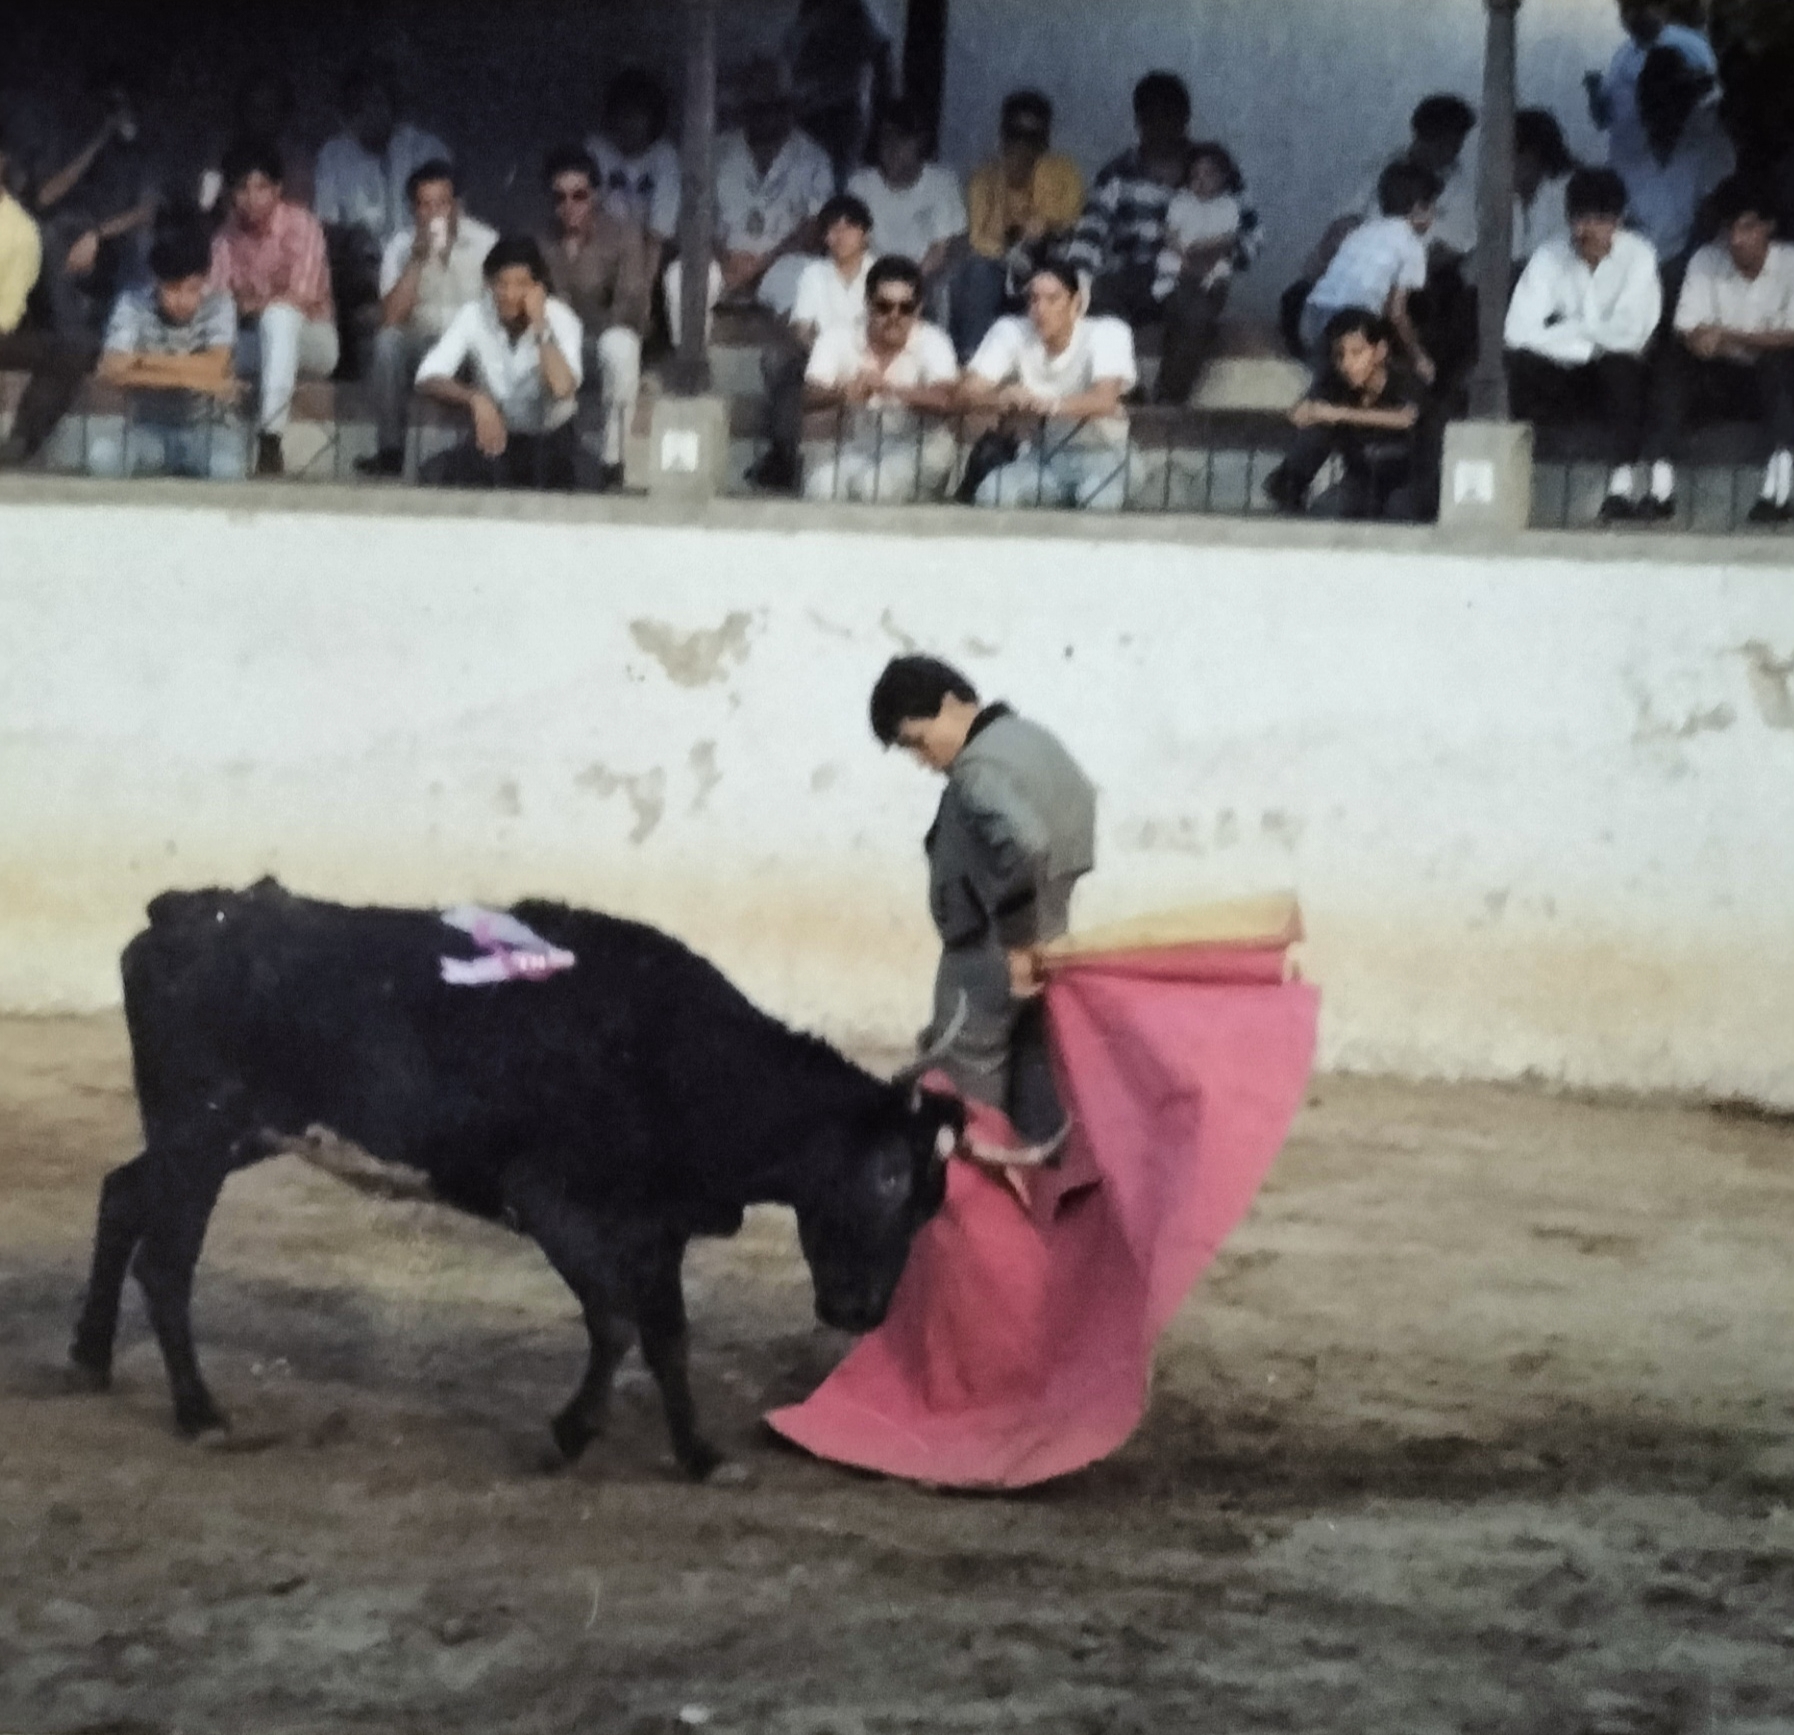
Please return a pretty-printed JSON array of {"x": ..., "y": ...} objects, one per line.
[{"x": 660, "y": 1318}]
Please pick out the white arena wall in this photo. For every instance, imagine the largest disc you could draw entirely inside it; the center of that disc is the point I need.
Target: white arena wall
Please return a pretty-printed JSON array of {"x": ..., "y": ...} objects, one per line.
[{"x": 1538, "y": 802}]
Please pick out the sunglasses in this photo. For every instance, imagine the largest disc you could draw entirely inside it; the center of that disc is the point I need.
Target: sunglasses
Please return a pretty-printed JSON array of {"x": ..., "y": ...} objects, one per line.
[{"x": 894, "y": 308}]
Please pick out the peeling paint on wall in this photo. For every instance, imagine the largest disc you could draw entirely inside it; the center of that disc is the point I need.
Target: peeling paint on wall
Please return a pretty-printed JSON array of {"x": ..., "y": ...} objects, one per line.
[
  {"x": 1770, "y": 678},
  {"x": 703, "y": 769},
  {"x": 696, "y": 659},
  {"x": 647, "y": 795}
]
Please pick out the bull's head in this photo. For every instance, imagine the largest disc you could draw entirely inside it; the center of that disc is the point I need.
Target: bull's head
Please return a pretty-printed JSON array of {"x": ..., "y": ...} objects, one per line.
[{"x": 874, "y": 1182}]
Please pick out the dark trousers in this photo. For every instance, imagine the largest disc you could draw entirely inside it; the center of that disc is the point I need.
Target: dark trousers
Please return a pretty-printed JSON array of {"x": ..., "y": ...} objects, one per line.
[
  {"x": 56, "y": 365},
  {"x": 541, "y": 461},
  {"x": 979, "y": 298},
  {"x": 782, "y": 369},
  {"x": 1685, "y": 389},
  {"x": 1385, "y": 475},
  {"x": 1610, "y": 391},
  {"x": 1191, "y": 316}
]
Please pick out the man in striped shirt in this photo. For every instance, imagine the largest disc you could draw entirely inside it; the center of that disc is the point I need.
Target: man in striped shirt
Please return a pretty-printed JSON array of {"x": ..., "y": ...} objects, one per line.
[
  {"x": 1122, "y": 232},
  {"x": 270, "y": 259}
]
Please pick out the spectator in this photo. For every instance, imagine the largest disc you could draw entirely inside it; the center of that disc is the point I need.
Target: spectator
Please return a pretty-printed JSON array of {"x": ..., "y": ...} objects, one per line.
[
  {"x": 1202, "y": 231},
  {"x": 599, "y": 264},
  {"x": 1065, "y": 372},
  {"x": 831, "y": 297},
  {"x": 169, "y": 348},
  {"x": 1365, "y": 409},
  {"x": 1732, "y": 352},
  {"x": 917, "y": 209},
  {"x": 1686, "y": 156},
  {"x": 839, "y": 61},
  {"x": 522, "y": 349},
  {"x": 428, "y": 274},
  {"x": 362, "y": 174},
  {"x": 1542, "y": 169},
  {"x": 1579, "y": 325},
  {"x": 1122, "y": 233},
  {"x": 1020, "y": 206},
  {"x": 265, "y": 108},
  {"x": 638, "y": 167},
  {"x": 771, "y": 181},
  {"x": 1378, "y": 266},
  {"x": 270, "y": 259},
  {"x": 892, "y": 382},
  {"x": 21, "y": 261},
  {"x": 1440, "y": 126}
]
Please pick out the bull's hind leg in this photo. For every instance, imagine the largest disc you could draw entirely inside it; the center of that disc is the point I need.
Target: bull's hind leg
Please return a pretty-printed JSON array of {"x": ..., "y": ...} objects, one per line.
[
  {"x": 115, "y": 1238},
  {"x": 583, "y": 1250},
  {"x": 660, "y": 1317},
  {"x": 180, "y": 1187}
]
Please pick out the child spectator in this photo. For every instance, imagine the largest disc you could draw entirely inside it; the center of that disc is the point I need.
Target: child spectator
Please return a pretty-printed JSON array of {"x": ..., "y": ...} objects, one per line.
[
  {"x": 1379, "y": 265},
  {"x": 1579, "y": 325},
  {"x": 1202, "y": 223},
  {"x": 1366, "y": 409},
  {"x": 169, "y": 348},
  {"x": 1732, "y": 352}
]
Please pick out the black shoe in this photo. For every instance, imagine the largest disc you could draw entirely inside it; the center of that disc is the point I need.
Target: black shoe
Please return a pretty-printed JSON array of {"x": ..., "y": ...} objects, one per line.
[
  {"x": 383, "y": 463},
  {"x": 775, "y": 472},
  {"x": 610, "y": 478},
  {"x": 270, "y": 457},
  {"x": 1651, "y": 510},
  {"x": 1616, "y": 509},
  {"x": 1284, "y": 492},
  {"x": 1767, "y": 512}
]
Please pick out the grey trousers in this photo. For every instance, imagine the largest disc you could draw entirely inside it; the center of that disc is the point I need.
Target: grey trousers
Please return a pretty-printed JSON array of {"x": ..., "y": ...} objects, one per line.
[{"x": 1000, "y": 1056}]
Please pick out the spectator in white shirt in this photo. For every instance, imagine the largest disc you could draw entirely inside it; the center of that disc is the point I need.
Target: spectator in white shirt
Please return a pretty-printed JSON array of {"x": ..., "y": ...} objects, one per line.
[
  {"x": 771, "y": 182},
  {"x": 1731, "y": 355},
  {"x": 918, "y": 210},
  {"x": 427, "y": 275},
  {"x": 892, "y": 384},
  {"x": 1063, "y": 374},
  {"x": 1580, "y": 323},
  {"x": 831, "y": 296},
  {"x": 639, "y": 172},
  {"x": 521, "y": 350},
  {"x": 1542, "y": 169},
  {"x": 360, "y": 183},
  {"x": 1440, "y": 127},
  {"x": 1379, "y": 266}
]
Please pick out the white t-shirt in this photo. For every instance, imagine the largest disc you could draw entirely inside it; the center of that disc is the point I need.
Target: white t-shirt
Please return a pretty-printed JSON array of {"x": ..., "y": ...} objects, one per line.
[
  {"x": 356, "y": 189},
  {"x": 907, "y": 221},
  {"x": 1570, "y": 314},
  {"x": 829, "y": 302},
  {"x": 509, "y": 373},
  {"x": 447, "y": 283},
  {"x": 1716, "y": 292},
  {"x": 1100, "y": 349},
  {"x": 754, "y": 211},
  {"x": 1455, "y": 216},
  {"x": 1189, "y": 220},
  {"x": 645, "y": 189},
  {"x": 1373, "y": 261},
  {"x": 844, "y": 354},
  {"x": 1545, "y": 219}
]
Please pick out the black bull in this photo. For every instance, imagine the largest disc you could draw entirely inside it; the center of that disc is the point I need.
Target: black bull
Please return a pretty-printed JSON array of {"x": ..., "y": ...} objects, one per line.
[{"x": 611, "y": 1113}]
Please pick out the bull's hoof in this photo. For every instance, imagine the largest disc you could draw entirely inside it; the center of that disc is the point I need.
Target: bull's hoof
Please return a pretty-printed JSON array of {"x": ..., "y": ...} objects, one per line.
[
  {"x": 89, "y": 1370},
  {"x": 571, "y": 1437},
  {"x": 699, "y": 1459},
  {"x": 203, "y": 1417}
]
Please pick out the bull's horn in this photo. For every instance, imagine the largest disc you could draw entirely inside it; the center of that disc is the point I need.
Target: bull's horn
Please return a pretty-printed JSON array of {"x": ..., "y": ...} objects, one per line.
[
  {"x": 1027, "y": 1157},
  {"x": 941, "y": 1047}
]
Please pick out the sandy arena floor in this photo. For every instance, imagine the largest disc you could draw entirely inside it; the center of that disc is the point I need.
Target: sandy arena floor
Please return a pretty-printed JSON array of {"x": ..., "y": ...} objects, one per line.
[{"x": 1484, "y": 1422}]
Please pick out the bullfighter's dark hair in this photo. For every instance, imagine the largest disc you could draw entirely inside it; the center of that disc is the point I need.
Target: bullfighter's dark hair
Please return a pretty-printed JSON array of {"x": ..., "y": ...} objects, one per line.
[
  {"x": 436, "y": 169},
  {"x": 913, "y": 689},
  {"x": 1595, "y": 193},
  {"x": 252, "y": 157},
  {"x": 845, "y": 208},
  {"x": 179, "y": 254},
  {"x": 511, "y": 250},
  {"x": 1404, "y": 187}
]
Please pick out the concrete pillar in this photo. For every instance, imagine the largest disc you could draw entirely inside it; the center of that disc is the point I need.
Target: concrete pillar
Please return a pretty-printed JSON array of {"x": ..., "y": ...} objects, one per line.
[
  {"x": 1487, "y": 479},
  {"x": 690, "y": 370},
  {"x": 688, "y": 449}
]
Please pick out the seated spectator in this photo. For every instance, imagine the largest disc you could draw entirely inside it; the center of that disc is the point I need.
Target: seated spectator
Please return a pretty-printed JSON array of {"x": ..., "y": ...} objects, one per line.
[
  {"x": 362, "y": 174},
  {"x": 1439, "y": 128},
  {"x": 265, "y": 107},
  {"x": 427, "y": 276},
  {"x": 1542, "y": 169},
  {"x": 639, "y": 173},
  {"x": 521, "y": 348},
  {"x": 771, "y": 181},
  {"x": 1579, "y": 326},
  {"x": 600, "y": 265},
  {"x": 1122, "y": 233},
  {"x": 831, "y": 296},
  {"x": 838, "y": 60},
  {"x": 55, "y": 374},
  {"x": 1731, "y": 355},
  {"x": 170, "y": 349},
  {"x": 1379, "y": 266},
  {"x": 1202, "y": 224},
  {"x": 893, "y": 383},
  {"x": 1020, "y": 207},
  {"x": 1064, "y": 375},
  {"x": 270, "y": 259},
  {"x": 1365, "y": 409},
  {"x": 917, "y": 209}
]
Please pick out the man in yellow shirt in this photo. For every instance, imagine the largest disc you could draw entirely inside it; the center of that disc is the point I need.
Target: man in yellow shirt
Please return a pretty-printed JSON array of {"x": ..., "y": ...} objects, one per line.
[
  {"x": 1019, "y": 205},
  {"x": 21, "y": 259}
]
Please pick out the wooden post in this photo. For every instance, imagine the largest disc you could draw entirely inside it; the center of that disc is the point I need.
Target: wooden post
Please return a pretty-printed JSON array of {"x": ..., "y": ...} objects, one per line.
[
  {"x": 690, "y": 373},
  {"x": 1495, "y": 209}
]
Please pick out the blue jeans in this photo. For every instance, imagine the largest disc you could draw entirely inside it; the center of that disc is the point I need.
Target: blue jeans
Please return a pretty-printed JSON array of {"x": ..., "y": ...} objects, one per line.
[
  {"x": 1093, "y": 478},
  {"x": 976, "y": 301},
  {"x": 203, "y": 451}
]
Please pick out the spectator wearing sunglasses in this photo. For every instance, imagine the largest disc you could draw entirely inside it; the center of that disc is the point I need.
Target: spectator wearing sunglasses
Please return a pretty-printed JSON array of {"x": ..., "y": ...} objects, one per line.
[{"x": 892, "y": 383}]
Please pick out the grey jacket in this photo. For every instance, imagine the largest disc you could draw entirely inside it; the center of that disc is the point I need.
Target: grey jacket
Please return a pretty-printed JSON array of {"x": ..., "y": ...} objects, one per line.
[{"x": 1015, "y": 832}]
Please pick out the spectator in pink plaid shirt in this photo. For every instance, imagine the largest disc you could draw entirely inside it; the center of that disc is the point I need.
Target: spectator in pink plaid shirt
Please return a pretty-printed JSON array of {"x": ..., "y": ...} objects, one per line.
[{"x": 269, "y": 258}]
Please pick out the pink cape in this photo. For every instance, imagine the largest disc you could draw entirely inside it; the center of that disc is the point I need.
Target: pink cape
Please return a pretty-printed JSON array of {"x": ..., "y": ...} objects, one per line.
[{"x": 1019, "y": 1344}]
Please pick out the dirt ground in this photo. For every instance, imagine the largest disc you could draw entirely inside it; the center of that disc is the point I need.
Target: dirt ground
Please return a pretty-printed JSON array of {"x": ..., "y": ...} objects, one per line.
[{"x": 1483, "y": 1422}]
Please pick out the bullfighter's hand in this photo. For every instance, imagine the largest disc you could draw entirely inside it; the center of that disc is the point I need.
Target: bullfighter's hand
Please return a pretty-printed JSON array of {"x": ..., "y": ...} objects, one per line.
[{"x": 1027, "y": 980}]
